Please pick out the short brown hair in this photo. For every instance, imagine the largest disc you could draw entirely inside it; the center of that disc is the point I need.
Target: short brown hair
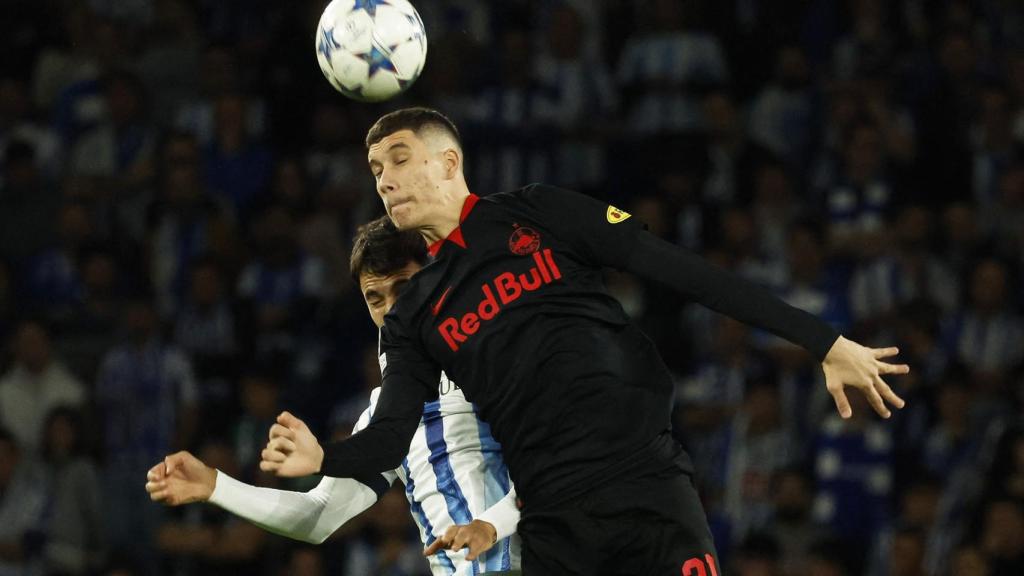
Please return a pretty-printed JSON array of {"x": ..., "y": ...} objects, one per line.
[
  {"x": 380, "y": 248},
  {"x": 415, "y": 119}
]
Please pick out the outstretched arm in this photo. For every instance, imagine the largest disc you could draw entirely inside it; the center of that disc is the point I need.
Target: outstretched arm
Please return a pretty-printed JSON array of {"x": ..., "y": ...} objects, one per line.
[
  {"x": 381, "y": 446},
  {"x": 606, "y": 236},
  {"x": 308, "y": 516},
  {"x": 845, "y": 362}
]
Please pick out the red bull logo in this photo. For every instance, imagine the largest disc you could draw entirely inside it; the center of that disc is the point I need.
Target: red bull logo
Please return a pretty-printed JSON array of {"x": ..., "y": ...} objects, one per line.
[
  {"x": 503, "y": 290},
  {"x": 524, "y": 241}
]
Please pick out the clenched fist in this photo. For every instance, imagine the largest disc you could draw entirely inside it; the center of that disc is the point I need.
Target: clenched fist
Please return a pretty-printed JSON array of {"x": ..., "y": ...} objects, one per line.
[
  {"x": 180, "y": 479},
  {"x": 292, "y": 450}
]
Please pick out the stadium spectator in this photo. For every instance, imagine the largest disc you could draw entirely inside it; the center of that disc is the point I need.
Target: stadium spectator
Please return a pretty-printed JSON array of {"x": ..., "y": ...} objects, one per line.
[
  {"x": 146, "y": 396},
  {"x": 37, "y": 383},
  {"x": 73, "y": 521},
  {"x": 23, "y": 490}
]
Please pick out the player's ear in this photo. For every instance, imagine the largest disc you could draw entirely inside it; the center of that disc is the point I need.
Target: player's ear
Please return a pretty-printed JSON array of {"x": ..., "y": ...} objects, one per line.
[{"x": 452, "y": 163}]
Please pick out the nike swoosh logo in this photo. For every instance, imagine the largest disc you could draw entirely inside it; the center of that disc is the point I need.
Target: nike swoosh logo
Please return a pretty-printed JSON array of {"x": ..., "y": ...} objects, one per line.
[{"x": 437, "y": 307}]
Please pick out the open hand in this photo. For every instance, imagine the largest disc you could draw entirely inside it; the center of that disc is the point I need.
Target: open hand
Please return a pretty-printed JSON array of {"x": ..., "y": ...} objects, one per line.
[{"x": 850, "y": 364}]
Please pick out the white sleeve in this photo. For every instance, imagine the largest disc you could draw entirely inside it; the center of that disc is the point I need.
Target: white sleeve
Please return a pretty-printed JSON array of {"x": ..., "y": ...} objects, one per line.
[
  {"x": 308, "y": 516},
  {"x": 504, "y": 515}
]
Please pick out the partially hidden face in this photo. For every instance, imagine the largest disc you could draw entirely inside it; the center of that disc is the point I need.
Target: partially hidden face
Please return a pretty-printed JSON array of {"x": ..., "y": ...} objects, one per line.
[{"x": 381, "y": 291}]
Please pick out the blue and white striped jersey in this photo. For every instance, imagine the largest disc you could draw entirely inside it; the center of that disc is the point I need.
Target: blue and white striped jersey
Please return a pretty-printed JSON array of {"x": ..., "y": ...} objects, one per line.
[{"x": 452, "y": 473}]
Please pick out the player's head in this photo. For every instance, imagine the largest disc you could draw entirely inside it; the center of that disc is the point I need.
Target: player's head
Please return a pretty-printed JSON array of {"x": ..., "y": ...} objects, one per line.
[
  {"x": 415, "y": 155},
  {"x": 383, "y": 259}
]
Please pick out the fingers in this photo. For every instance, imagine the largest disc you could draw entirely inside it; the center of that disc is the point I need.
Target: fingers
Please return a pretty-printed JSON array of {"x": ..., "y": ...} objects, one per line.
[
  {"x": 842, "y": 402},
  {"x": 884, "y": 368},
  {"x": 155, "y": 486},
  {"x": 462, "y": 540},
  {"x": 288, "y": 420},
  {"x": 268, "y": 466},
  {"x": 875, "y": 400},
  {"x": 281, "y": 444},
  {"x": 281, "y": 431},
  {"x": 434, "y": 547},
  {"x": 158, "y": 495},
  {"x": 880, "y": 353},
  {"x": 156, "y": 472},
  {"x": 471, "y": 536},
  {"x": 275, "y": 456},
  {"x": 887, "y": 394},
  {"x": 175, "y": 461},
  {"x": 444, "y": 542},
  {"x": 160, "y": 491}
]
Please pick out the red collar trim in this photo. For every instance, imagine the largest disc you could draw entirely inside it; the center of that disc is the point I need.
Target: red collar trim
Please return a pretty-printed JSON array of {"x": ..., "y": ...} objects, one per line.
[{"x": 456, "y": 235}]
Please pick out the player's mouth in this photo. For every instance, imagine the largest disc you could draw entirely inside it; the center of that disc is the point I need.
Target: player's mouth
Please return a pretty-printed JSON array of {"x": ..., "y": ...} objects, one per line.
[{"x": 398, "y": 203}]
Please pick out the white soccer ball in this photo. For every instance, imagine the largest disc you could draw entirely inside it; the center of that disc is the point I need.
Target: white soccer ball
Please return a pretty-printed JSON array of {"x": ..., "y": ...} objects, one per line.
[{"x": 371, "y": 50}]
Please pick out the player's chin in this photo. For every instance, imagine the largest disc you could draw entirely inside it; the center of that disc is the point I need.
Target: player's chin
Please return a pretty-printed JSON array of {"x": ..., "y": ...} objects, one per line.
[{"x": 403, "y": 217}]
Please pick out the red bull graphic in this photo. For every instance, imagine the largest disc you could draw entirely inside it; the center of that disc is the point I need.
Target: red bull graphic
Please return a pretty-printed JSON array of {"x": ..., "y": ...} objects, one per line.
[
  {"x": 700, "y": 567},
  {"x": 524, "y": 241},
  {"x": 503, "y": 290}
]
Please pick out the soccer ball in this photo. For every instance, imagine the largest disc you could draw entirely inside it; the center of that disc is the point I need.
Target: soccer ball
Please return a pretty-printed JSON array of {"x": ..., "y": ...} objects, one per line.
[{"x": 371, "y": 50}]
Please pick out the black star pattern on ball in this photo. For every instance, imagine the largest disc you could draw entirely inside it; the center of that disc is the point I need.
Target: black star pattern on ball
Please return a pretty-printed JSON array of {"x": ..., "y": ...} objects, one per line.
[{"x": 370, "y": 6}]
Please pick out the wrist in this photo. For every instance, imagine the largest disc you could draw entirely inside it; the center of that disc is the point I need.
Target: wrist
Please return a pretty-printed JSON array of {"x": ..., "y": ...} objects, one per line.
[
  {"x": 831, "y": 355},
  {"x": 211, "y": 483},
  {"x": 490, "y": 529}
]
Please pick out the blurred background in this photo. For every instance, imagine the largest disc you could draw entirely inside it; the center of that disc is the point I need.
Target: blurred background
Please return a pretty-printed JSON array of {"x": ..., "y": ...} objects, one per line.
[{"x": 179, "y": 186}]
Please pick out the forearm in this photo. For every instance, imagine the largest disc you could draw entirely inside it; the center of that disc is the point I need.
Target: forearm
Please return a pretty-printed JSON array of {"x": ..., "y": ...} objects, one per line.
[
  {"x": 308, "y": 516},
  {"x": 378, "y": 448},
  {"x": 384, "y": 443},
  {"x": 722, "y": 291},
  {"x": 504, "y": 515}
]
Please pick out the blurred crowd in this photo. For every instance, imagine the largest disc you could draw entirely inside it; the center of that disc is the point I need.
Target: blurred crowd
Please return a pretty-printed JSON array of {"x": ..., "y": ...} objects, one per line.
[{"x": 179, "y": 187}]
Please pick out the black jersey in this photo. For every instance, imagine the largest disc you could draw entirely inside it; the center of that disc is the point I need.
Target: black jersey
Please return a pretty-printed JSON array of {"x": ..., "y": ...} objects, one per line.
[{"x": 514, "y": 309}]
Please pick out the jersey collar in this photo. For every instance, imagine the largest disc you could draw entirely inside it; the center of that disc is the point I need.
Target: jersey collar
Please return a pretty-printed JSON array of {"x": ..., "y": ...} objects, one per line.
[{"x": 456, "y": 235}]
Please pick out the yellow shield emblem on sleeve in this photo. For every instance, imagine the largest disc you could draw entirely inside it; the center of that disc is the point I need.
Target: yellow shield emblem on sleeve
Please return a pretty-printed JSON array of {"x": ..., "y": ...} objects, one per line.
[{"x": 615, "y": 215}]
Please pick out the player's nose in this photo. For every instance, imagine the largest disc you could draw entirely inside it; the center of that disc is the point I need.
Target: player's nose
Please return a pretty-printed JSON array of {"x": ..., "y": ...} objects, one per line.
[{"x": 386, "y": 185}]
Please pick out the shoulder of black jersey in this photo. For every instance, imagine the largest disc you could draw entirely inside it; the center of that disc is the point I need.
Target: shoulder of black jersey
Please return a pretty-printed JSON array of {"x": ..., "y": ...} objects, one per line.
[
  {"x": 543, "y": 194},
  {"x": 534, "y": 189},
  {"x": 525, "y": 192},
  {"x": 415, "y": 295}
]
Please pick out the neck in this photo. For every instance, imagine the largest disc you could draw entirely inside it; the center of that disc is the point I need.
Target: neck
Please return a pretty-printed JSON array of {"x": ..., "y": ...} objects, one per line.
[{"x": 448, "y": 218}]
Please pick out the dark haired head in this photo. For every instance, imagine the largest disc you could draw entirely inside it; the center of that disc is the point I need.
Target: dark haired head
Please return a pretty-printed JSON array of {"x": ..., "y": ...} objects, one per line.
[
  {"x": 416, "y": 119},
  {"x": 381, "y": 249}
]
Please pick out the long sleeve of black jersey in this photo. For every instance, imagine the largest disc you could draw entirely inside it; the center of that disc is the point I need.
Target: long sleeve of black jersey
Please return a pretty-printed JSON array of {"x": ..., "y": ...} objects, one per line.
[
  {"x": 409, "y": 380},
  {"x": 608, "y": 236},
  {"x": 725, "y": 292}
]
